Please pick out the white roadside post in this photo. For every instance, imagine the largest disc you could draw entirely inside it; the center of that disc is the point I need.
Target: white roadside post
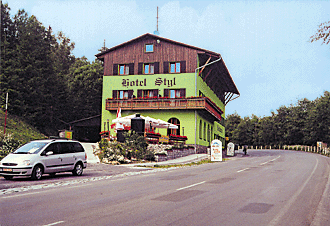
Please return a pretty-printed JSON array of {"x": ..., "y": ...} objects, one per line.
[{"x": 231, "y": 149}]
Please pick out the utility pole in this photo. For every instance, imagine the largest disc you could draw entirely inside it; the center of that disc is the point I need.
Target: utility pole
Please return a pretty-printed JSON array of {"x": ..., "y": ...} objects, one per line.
[{"x": 4, "y": 130}]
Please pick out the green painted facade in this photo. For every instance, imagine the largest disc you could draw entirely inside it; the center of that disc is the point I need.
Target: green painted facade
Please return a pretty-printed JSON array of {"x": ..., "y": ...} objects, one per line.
[{"x": 198, "y": 128}]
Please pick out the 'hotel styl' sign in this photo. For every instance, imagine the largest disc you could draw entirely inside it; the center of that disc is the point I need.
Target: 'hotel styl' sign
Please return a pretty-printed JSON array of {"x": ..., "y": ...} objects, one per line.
[{"x": 143, "y": 82}]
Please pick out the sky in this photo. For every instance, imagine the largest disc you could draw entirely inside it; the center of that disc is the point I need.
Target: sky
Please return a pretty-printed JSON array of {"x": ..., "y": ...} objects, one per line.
[{"x": 265, "y": 44}]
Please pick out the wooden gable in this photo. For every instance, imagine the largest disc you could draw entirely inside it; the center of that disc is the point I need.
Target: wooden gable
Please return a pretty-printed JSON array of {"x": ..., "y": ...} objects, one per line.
[{"x": 164, "y": 51}]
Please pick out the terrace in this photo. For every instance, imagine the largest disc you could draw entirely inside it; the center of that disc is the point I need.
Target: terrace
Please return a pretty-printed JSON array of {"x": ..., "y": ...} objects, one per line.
[{"x": 190, "y": 103}]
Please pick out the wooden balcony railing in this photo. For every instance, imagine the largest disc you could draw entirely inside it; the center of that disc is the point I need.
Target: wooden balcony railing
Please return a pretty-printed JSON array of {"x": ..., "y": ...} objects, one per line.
[{"x": 193, "y": 103}]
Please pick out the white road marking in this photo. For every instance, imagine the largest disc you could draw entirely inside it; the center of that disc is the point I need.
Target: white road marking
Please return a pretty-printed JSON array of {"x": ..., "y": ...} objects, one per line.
[
  {"x": 55, "y": 223},
  {"x": 191, "y": 186},
  {"x": 242, "y": 170},
  {"x": 264, "y": 163}
]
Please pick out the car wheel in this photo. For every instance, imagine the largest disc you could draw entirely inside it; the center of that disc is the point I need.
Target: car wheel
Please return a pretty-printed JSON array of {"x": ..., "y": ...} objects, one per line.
[
  {"x": 78, "y": 169},
  {"x": 37, "y": 173},
  {"x": 8, "y": 177}
]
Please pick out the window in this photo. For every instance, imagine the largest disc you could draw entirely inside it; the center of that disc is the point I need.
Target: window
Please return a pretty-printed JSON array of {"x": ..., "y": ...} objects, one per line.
[
  {"x": 175, "y": 67},
  {"x": 200, "y": 130},
  {"x": 175, "y": 93},
  {"x": 66, "y": 148},
  {"x": 211, "y": 132},
  {"x": 147, "y": 93},
  {"x": 204, "y": 131},
  {"x": 122, "y": 94},
  {"x": 174, "y": 121},
  {"x": 149, "y": 69},
  {"x": 78, "y": 147},
  {"x": 149, "y": 48},
  {"x": 123, "y": 69},
  {"x": 54, "y": 148}
]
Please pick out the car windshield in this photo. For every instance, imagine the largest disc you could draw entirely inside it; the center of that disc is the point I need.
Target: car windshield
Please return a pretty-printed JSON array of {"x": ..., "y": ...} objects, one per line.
[{"x": 31, "y": 148}]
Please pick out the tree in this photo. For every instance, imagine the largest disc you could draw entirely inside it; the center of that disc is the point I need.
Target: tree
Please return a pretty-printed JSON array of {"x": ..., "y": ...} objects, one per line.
[
  {"x": 85, "y": 89},
  {"x": 63, "y": 57},
  {"x": 231, "y": 124},
  {"x": 323, "y": 33},
  {"x": 318, "y": 121},
  {"x": 28, "y": 70}
]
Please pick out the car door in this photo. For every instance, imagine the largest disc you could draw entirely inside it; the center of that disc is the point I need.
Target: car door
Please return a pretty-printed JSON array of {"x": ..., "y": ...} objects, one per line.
[
  {"x": 67, "y": 156},
  {"x": 53, "y": 161}
]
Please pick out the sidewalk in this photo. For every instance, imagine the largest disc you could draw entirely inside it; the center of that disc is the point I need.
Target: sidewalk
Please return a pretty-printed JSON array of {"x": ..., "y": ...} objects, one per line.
[
  {"x": 182, "y": 160},
  {"x": 89, "y": 149}
]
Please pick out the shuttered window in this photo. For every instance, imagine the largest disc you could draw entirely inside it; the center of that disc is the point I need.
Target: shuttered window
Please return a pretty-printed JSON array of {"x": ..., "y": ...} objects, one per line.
[
  {"x": 175, "y": 93},
  {"x": 147, "y": 93},
  {"x": 115, "y": 69},
  {"x": 122, "y": 94}
]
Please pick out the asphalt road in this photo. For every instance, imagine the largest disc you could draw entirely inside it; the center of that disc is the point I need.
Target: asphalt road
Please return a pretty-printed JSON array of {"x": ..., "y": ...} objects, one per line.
[{"x": 264, "y": 188}]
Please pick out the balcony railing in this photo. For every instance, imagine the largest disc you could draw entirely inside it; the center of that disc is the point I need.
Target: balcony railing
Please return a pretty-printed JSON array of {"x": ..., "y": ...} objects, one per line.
[{"x": 192, "y": 103}]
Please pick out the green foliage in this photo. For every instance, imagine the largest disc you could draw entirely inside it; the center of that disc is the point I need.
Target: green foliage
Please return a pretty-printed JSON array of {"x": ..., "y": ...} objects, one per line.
[
  {"x": 18, "y": 133},
  {"x": 304, "y": 123},
  {"x": 134, "y": 147},
  {"x": 58, "y": 88},
  {"x": 8, "y": 144},
  {"x": 85, "y": 88},
  {"x": 19, "y": 129}
]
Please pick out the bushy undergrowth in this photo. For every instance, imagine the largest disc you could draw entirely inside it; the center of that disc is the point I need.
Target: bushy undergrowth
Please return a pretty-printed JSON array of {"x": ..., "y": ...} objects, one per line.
[
  {"x": 8, "y": 144},
  {"x": 134, "y": 147}
]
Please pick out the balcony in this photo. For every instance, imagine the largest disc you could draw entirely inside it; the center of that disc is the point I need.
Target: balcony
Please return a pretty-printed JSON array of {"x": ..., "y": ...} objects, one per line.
[{"x": 191, "y": 103}]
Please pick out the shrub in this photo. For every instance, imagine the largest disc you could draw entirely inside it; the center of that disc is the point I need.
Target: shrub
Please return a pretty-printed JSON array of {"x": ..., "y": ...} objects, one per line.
[
  {"x": 8, "y": 144},
  {"x": 134, "y": 146}
]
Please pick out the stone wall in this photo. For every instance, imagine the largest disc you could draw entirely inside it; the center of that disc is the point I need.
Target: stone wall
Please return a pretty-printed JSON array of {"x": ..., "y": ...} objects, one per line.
[
  {"x": 165, "y": 152},
  {"x": 174, "y": 153}
]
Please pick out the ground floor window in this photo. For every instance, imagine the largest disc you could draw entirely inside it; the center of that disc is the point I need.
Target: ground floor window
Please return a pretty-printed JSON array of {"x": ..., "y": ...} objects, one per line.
[
  {"x": 174, "y": 121},
  {"x": 200, "y": 130}
]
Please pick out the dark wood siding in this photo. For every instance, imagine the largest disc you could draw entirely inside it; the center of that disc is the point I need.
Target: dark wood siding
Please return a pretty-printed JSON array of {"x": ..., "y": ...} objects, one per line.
[
  {"x": 115, "y": 69},
  {"x": 156, "y": 68},
  {"x": 131, "y": 68},
  {"x": 133, "y": 53},
  {"x": 166, "y": 67},
  {"x": 140, "y": 68}
]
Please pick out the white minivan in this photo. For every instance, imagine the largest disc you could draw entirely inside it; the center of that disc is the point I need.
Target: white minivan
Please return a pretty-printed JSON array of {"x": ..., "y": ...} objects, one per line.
[{"x": 44, "y": 157}]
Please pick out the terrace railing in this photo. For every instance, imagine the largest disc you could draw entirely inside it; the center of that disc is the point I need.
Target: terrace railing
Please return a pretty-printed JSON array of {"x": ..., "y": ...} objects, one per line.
[{"x": 192, "y": 103}]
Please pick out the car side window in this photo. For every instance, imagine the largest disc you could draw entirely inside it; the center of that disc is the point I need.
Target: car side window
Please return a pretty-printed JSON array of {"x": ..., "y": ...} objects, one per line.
[
  {"x": 52, "y": 147},
  {"x": 78, "y": 147},
  {"x": 66, "y": 148}
]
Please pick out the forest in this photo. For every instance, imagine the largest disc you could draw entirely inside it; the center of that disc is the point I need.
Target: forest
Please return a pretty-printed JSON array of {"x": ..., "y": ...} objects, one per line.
[
  {"x": 46, "y": 84},
  {"x": 49, "y": 87},
  {"x": 303, "y": 123}
]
